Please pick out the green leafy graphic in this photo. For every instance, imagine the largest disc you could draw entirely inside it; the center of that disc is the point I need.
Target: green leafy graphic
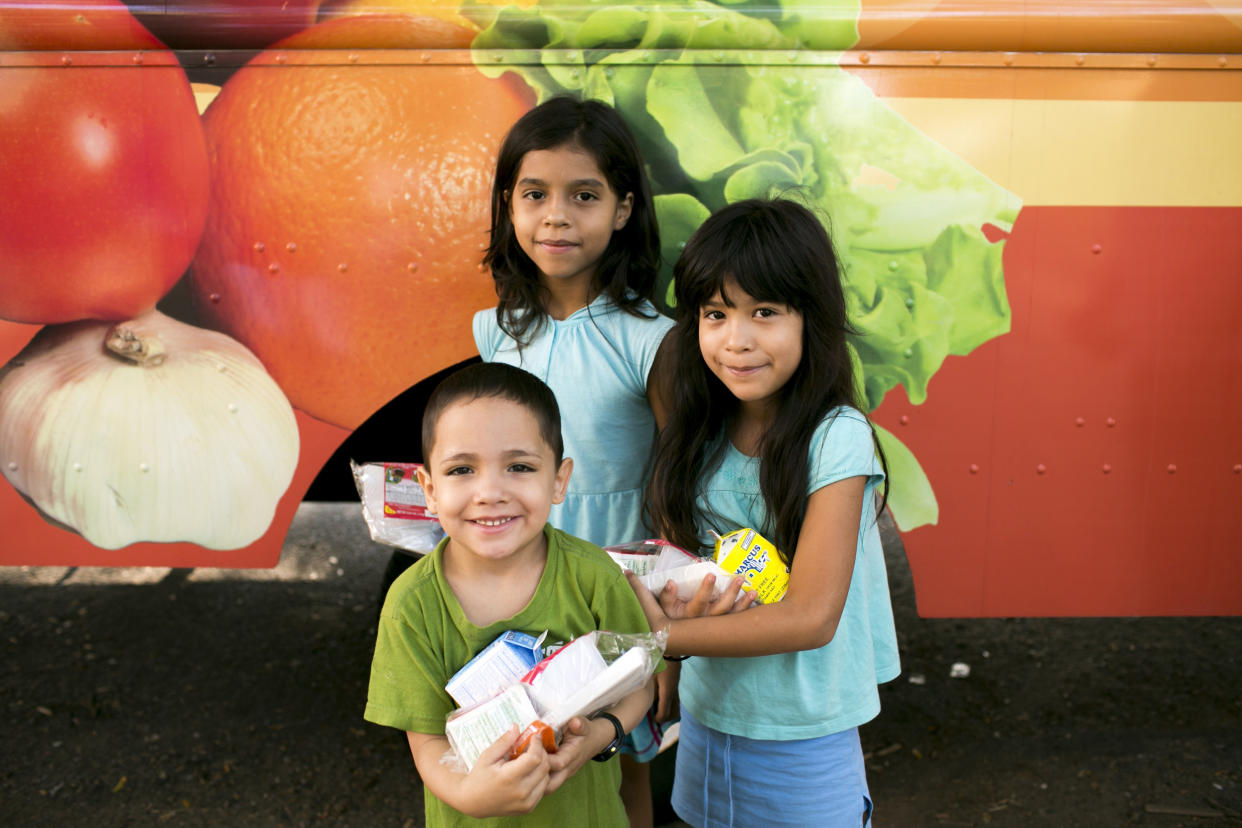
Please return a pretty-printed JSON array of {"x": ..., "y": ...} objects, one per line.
[{"x": 742, "y": 99}]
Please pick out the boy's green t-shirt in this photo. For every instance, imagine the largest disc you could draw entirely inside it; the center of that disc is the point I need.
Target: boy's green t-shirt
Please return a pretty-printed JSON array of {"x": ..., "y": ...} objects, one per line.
[{"x": 424, "y": 638}]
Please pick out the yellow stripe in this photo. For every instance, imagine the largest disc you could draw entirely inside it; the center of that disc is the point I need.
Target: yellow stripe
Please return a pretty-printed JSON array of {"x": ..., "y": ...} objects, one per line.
[{"x": 1093, "y": 153}]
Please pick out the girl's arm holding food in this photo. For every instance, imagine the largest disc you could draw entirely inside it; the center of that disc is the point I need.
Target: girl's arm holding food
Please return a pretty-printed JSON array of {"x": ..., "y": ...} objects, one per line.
[{"x": 806, "y": 618}]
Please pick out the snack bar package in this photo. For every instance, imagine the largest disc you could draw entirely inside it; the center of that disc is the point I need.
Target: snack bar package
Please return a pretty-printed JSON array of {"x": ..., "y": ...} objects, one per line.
[
  {"x": 745, "y": 552},
  {"x": 394, "y": 507}
]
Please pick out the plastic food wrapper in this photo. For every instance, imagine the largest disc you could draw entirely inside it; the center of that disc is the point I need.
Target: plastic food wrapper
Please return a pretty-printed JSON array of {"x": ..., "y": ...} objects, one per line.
[
  {"x": 747, "y": 553},
  {"x": 657, "y": 562},
  {"x": 394, "y": 507},
  {"x": 568, "y": 668},
  {"x": 688, "y": 578},
  {"x": 570, "y": 682},
  {"x": 472, "y": 730},
  {"x": 500, "y": 664},
  {"x": 646, "y": 556},
  {"x": 620, "y": 678},
  {"x": 589, "y": 674}
]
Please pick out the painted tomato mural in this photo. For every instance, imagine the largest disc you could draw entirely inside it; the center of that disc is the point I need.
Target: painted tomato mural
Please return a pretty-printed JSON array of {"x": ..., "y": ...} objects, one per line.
[{"x": 104, "y": 165}]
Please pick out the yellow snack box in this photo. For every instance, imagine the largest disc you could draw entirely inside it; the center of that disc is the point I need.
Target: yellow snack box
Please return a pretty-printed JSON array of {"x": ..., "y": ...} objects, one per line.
[{"x": 745, "y": 552}]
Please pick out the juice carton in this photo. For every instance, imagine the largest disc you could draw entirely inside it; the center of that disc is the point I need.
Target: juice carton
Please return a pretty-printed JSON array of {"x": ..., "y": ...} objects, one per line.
[
  {"x": 498, "y": 665},
  {"x": 745, "y": 552}
]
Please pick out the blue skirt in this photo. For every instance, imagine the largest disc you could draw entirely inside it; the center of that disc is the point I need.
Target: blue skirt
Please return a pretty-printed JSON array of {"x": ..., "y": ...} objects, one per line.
[{"x": 725, "y": 781}]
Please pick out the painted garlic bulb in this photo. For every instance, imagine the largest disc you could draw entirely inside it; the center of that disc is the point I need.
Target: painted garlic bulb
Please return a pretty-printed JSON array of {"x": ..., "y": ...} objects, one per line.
[{"x": 147, "y": 430}]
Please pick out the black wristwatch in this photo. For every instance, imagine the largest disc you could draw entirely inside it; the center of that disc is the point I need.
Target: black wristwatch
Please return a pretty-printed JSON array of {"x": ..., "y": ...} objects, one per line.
[{"x": 613, "y": 746}]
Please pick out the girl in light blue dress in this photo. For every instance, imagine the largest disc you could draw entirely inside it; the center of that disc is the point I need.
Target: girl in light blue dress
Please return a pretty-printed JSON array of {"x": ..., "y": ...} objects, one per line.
[
  {"x": 574, "y": 253},
  {"x": 764, "y": 432}
]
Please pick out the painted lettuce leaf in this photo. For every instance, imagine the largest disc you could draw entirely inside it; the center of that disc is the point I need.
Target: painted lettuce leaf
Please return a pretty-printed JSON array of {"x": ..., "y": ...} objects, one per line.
[{"x": 736, "y": 100}]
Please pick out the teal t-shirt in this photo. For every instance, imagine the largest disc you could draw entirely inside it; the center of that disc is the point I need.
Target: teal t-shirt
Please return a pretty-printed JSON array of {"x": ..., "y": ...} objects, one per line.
[
  {"x": 424, "y": 638},
  {"x": 596, "y": 361},
  {"x": 810, "y": 693}
]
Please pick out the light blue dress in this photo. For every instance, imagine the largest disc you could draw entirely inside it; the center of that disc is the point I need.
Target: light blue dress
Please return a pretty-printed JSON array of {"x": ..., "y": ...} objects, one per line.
[
  {"x": 797, "y": 711},
  {"x": 596, "y": 361}
]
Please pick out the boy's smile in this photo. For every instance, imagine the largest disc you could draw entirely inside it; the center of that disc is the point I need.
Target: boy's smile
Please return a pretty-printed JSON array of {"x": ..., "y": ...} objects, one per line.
[{"x": 492, "y": 479}]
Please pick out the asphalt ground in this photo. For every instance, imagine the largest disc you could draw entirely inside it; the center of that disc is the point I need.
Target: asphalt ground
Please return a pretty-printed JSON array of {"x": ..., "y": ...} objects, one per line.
[{"x": 202, "y": 697}]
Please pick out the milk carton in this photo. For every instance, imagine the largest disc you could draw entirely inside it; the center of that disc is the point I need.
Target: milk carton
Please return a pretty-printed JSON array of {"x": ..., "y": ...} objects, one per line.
[{"x": 744, "y": 552}]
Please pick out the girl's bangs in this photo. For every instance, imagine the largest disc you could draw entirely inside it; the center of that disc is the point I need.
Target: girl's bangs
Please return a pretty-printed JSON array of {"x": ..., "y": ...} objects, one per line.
[{"x": 763, "y": 271}]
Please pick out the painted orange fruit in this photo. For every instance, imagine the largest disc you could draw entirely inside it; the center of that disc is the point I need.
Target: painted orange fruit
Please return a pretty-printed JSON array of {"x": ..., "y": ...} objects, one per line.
[{"x": 349, "y": 207}]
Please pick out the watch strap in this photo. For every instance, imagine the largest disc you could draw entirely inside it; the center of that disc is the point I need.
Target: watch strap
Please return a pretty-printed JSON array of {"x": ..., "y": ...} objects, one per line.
[{"x": 615, "y": 745}]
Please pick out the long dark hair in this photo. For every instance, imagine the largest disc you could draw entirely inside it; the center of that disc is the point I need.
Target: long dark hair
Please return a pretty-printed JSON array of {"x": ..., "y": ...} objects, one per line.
[
  {"x": 775, "y": 251},
  {"x": 627, "y": 271}
]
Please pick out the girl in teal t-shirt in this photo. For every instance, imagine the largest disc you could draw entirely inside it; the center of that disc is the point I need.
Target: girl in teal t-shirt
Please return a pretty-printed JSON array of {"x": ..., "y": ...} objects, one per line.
[{"x": 764, "y": 432}]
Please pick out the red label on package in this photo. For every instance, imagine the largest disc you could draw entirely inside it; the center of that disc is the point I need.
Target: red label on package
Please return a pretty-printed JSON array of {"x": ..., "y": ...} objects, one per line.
[{"x": 403, "y": 496}]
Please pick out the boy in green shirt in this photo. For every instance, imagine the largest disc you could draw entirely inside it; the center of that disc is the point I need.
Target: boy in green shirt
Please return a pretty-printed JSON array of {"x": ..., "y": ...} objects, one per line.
[{"x": 492, "y": 445}]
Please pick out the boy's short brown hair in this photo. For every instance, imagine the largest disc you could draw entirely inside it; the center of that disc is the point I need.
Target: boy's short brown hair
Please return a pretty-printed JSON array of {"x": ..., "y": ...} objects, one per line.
[{"x": 496, "y": 379}]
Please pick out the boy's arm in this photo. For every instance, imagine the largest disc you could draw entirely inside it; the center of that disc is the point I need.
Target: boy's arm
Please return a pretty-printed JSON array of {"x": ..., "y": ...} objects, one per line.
[
  {"x": 584, "y": 738},
  {"x": 495, "y": 786}
]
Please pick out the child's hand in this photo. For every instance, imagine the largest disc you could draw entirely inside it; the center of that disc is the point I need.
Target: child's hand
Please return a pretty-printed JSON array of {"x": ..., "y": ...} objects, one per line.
[
  {"x": 656, "y": 617},
  {"x": 573, "y": 753},
  {"x": 701, "y": 602},
  {"x": 499, "y": 786}
]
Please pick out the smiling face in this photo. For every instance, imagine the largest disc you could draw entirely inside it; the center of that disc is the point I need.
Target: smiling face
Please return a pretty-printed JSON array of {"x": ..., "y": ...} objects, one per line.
[
  {"x": 492, "y": 479},
  {"x": 752, "y": 347},
  {"x": 564, "y": 214}
]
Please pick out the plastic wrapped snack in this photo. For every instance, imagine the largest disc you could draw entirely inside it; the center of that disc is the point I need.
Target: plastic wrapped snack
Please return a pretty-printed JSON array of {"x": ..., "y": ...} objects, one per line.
[
  {"x": 565, "y": 670},
  {"x": 471, "y": 730},
  {"x": 688, "y": 578},
  {"x": 646, "y": 556},
  {"x": 656, "y": 562},
  {"x": 394, "y": 507},
  {"x": 589, "y": 674}
]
